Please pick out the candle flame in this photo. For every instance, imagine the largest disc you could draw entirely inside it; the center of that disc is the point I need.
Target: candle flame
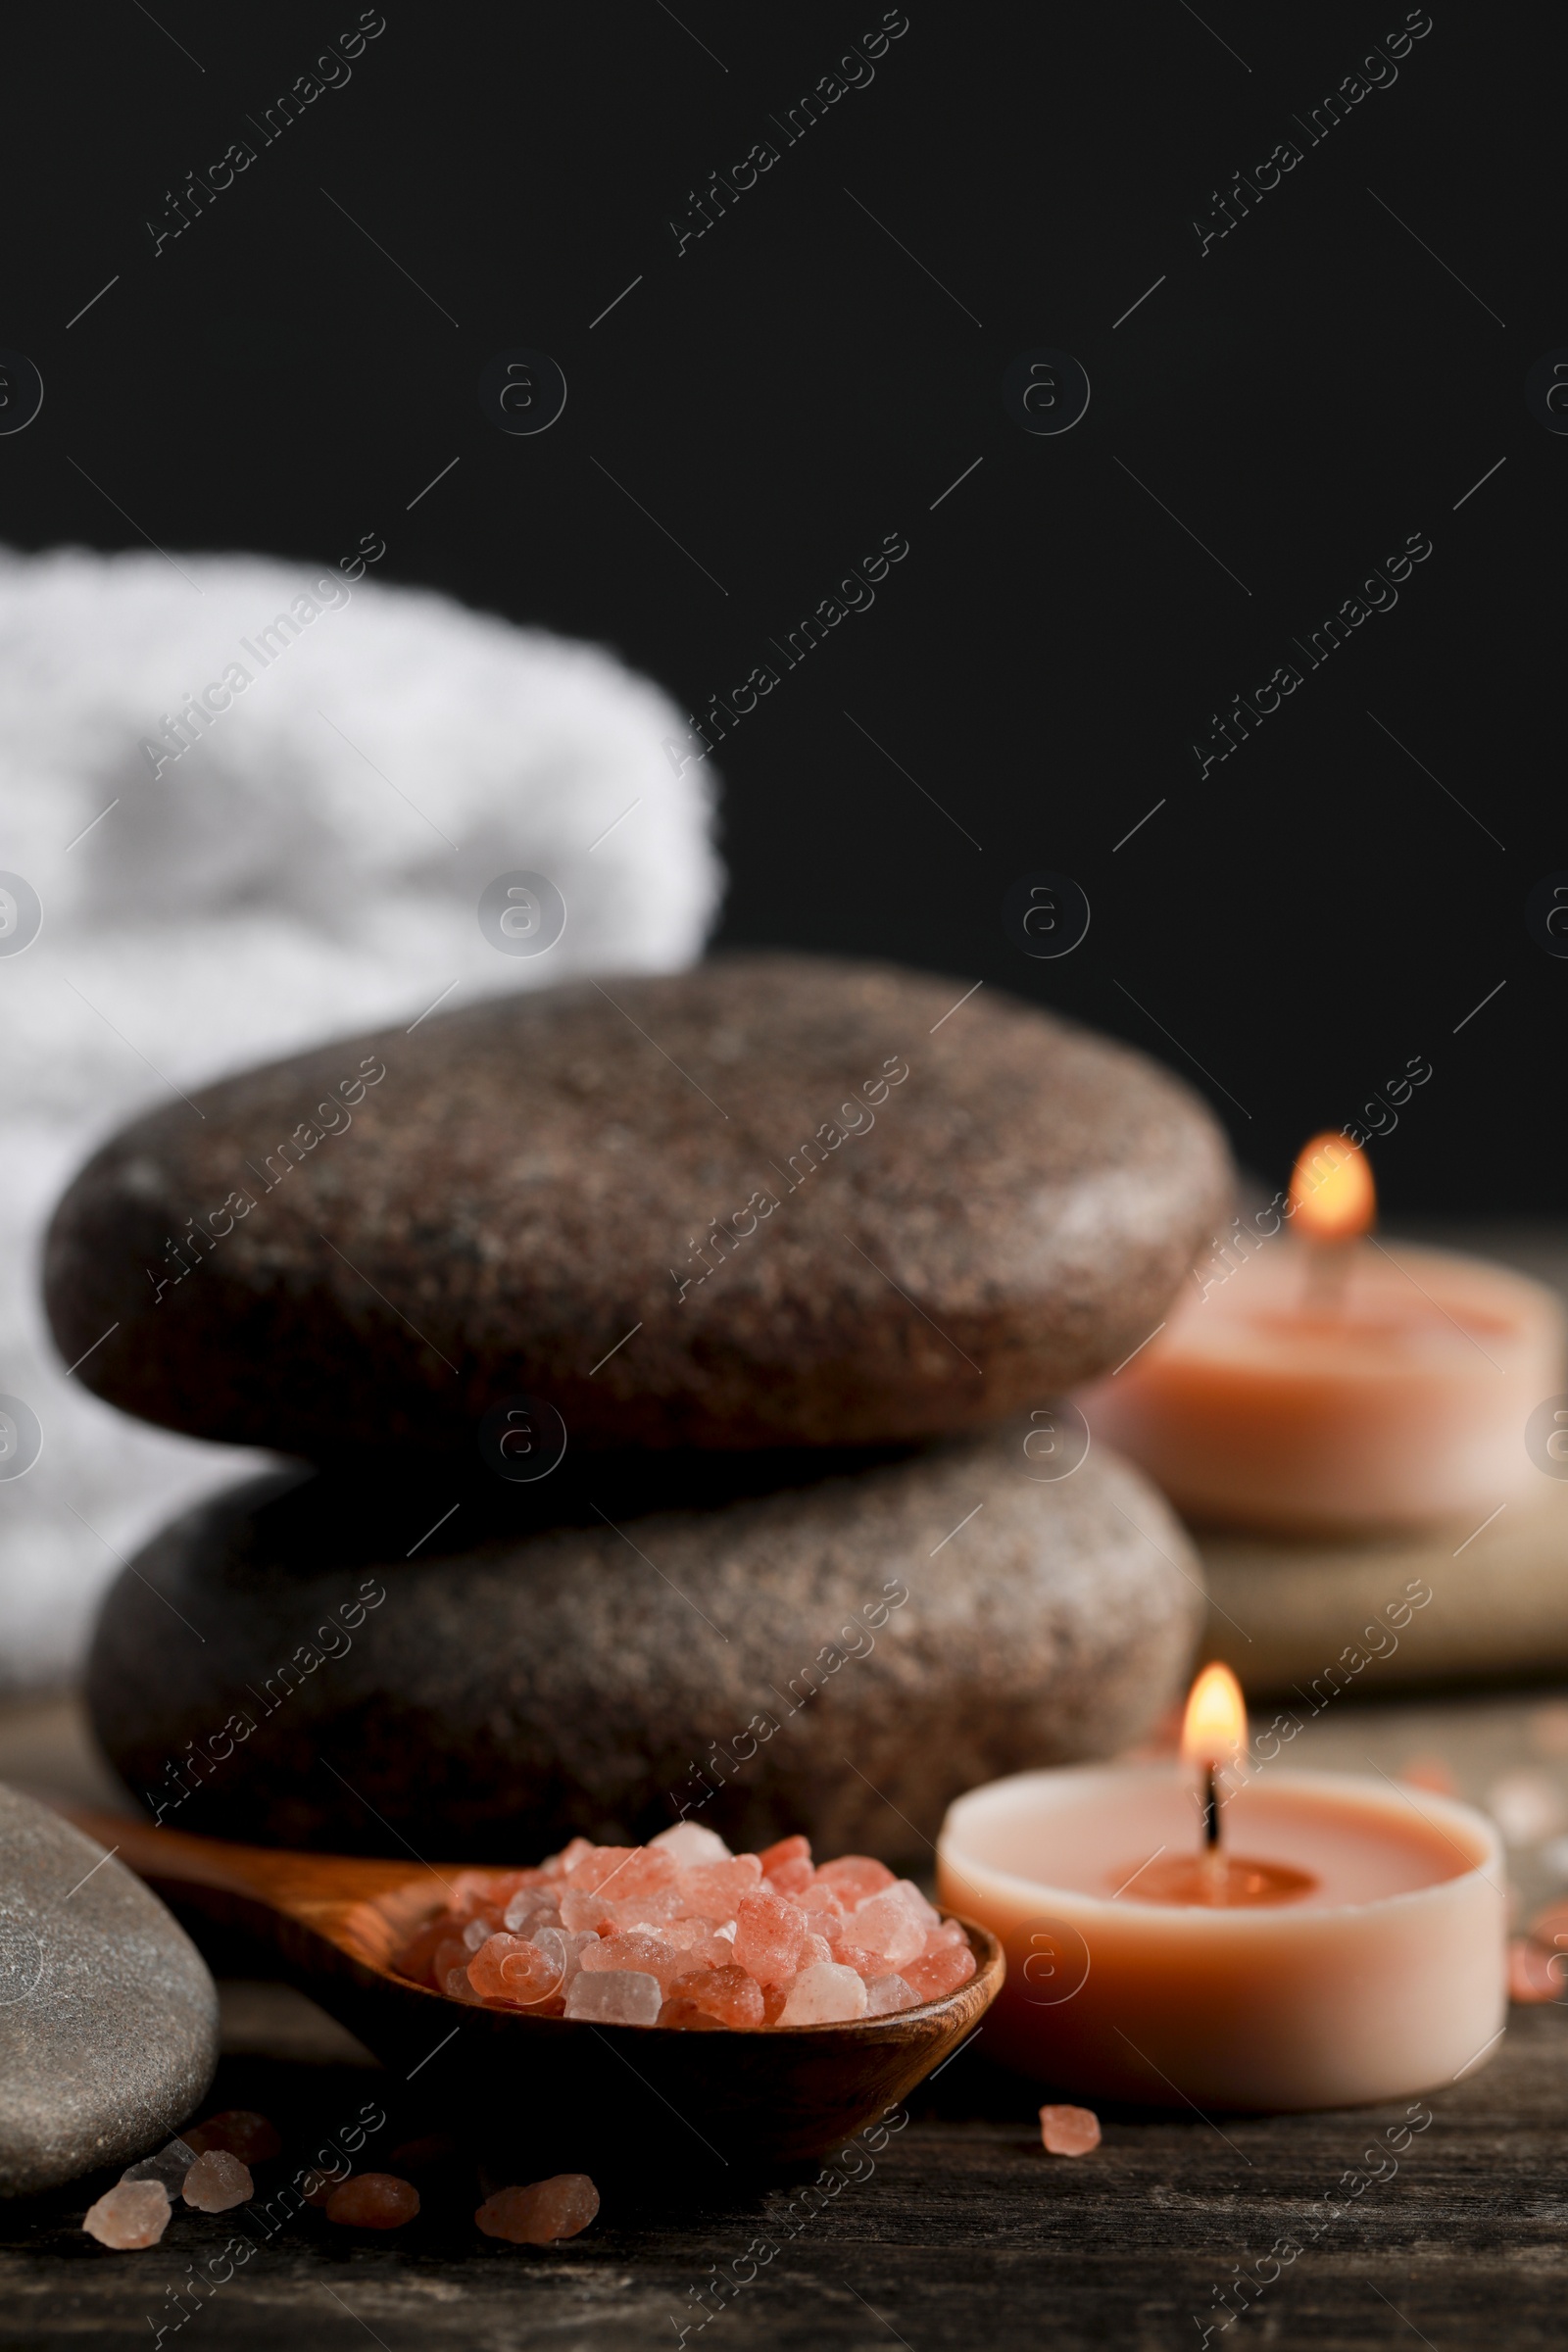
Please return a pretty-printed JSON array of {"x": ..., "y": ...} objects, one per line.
[
  {"x": 1214, "y": 1730},
  {"x": 1332, "y": 1196}
]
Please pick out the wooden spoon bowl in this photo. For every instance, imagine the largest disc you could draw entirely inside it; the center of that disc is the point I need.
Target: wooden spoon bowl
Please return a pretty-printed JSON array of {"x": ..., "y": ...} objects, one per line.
[{"x": 337, "y": 1922}]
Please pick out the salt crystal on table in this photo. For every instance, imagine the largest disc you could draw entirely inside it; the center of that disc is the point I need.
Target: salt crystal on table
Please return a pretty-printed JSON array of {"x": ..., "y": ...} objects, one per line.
[
  {"x": 170, "y": 2166},
  {"x": 1069, "y": 2131},
  {"x": 241, "y": 2130},
  {"x": 132, "y": 2214},
  {"x": 374, "y": 2201},
  {"x": 616, "y": 1996},
  {"x": 535, "y": 2217},
  {"x": 217, "y": 2181},
  {"x": 691, "y": 1844},
  {"x": 885, "y": 1995},
  {"x": 824, "y": 1995}
]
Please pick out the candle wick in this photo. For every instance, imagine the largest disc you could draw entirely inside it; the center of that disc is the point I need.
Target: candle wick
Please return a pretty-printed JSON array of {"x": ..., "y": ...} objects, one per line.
[{"x": 1210, "y": 1811}]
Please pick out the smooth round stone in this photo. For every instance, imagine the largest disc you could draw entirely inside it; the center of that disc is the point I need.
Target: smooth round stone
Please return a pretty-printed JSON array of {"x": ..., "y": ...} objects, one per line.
[
  {"x": 108, "y": 2016},
  {"x": 776, "y": 1200},
  {"x": 840, "y": 1655}
]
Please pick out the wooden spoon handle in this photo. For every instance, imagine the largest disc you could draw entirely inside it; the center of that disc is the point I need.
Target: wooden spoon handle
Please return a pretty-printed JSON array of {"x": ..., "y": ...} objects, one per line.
[{"x": 300, "y": 1885}]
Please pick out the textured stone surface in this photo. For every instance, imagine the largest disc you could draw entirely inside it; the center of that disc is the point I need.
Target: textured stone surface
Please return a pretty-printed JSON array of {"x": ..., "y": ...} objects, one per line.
[
  {"x": 530, "y": 1181},
  {"x": 553, "y": 1678},
  {"x": 108, "y": 2016}
]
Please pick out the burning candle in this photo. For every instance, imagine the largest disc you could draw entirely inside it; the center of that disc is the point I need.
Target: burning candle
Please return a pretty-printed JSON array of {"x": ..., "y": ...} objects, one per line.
[
  {"x": 1177, "y": 1933},
  {"x": 1312, "y": 1379}
]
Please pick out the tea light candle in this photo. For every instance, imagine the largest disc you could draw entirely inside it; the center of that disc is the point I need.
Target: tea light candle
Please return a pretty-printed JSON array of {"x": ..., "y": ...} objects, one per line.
[
  {"x": 1342, "y": 1943},
  {"x": 1310, "y": 1381}
]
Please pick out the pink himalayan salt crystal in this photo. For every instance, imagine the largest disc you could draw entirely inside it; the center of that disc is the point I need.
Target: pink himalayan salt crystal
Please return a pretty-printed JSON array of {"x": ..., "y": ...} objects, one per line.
[
  {"x": 241, "y": 2130},
  {"x": 511, "y": 1968},
  {"x": 641, "y": 1951},
  {"x": 727, "y": 1996},
  {"x": 823, "y": 1902},
  {"x": 170, "y": 2166},
  {"x": 374, "y": 2201},
  {"x": 624, "y": 1871},
  {"x": 132, "y": 2214},
  {"x": 940, "y": 1972},
  {"x": 716, "y": 1890},
  {"x": 886, "y": 1995},
  {"x": 771, "y": 1938},
  {"x": 691, "y": 1844},
  {"x": 823, "y": 1996},
  {"x": 535, "y": 1906},
  {"x": 1068, "y": 2130},
  {"x": 887, "y": 1925},
  {"x": 537, "y": 2216},
  {"x": 1534, "y": 1973},
  {"x": 616, "y": 1996},
  {"x": 217, "y": 2181},
  {"x": 786, "y": 1866},
  {"x": 855, "y": 1877}
]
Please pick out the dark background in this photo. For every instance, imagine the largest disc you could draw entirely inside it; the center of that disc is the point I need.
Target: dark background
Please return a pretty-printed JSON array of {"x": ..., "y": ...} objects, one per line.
[{"x": 1316, "y": 387}]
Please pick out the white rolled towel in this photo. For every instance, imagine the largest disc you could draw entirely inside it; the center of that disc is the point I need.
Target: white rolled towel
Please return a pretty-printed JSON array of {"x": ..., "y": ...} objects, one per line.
[{"x": 259, "y": 803}]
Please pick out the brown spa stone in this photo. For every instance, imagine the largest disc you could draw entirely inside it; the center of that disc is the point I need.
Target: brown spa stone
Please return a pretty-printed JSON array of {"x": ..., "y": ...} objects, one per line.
[
  {"x": 572, "y": 1671},
  {"x": 108, "y": 2016},
  {"x": 776, "y": 1200}
]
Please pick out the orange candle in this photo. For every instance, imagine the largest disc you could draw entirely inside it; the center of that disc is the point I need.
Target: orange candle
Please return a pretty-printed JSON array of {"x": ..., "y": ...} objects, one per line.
[
  {"x": 1341, "y": 1941},
  {"x": 1311, "y": 1380}
]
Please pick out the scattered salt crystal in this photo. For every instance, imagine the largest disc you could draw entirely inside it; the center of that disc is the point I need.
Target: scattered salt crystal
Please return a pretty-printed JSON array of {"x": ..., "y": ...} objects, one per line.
[
  {"x": 824, "y": 1995},
  {"x": 691, "y": 1844},
  {"x": 535, "y": 2217},
  {"x": 170, "y": 2166},
  {"x": 1069, "y": 2131},
  {"x": 217, "y": 2181},
  {"x": 374, "y": 2201},
  {"x": 616, "y": 1996},
  {"x": 885, "y": 1995},
  {"x": 132, "y": 2214},
  {"x": 241, "y": 2130}
]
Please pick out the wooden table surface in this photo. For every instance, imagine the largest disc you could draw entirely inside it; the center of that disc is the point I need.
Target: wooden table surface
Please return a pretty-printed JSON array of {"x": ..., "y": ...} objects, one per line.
[{"x": 958, "y": 2233}]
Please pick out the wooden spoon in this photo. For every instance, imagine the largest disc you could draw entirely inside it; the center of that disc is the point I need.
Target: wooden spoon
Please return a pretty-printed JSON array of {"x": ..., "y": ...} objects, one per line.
[{"x": 336, "y": 1921}]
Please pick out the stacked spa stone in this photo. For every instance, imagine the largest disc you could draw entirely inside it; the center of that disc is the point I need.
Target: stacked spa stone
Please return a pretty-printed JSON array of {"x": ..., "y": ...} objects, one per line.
[{"x": 677, "y": 1362}]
